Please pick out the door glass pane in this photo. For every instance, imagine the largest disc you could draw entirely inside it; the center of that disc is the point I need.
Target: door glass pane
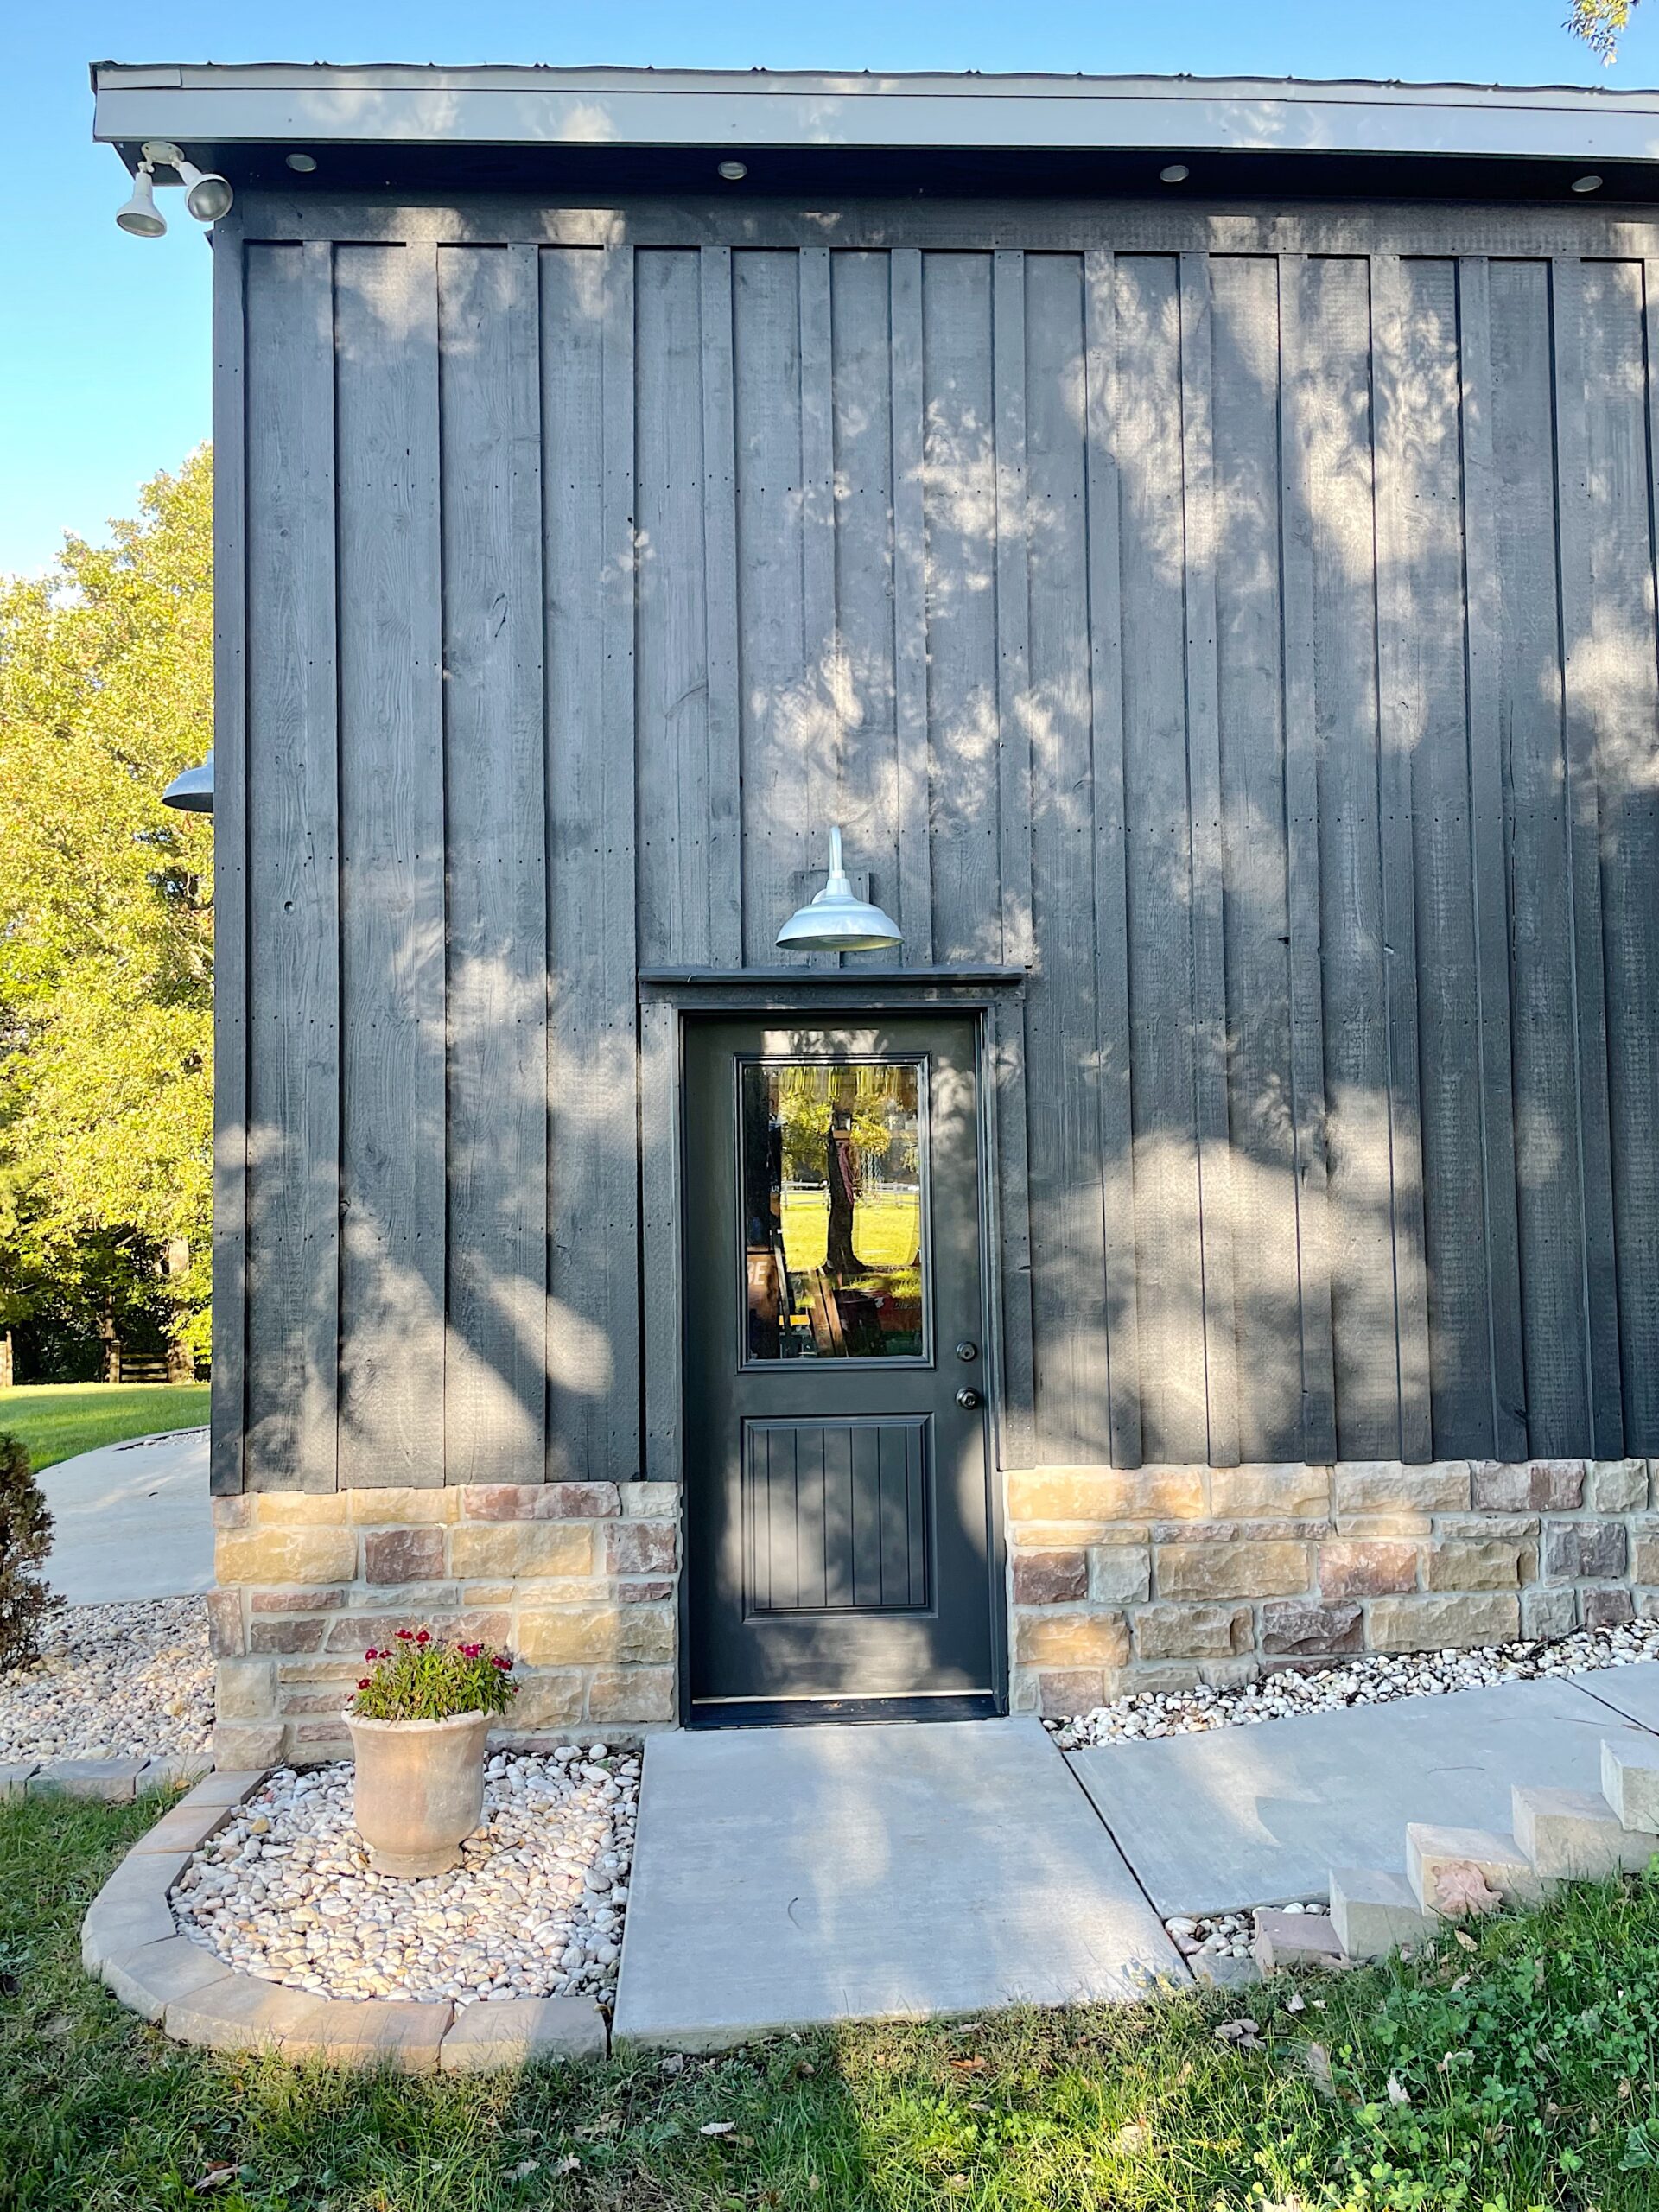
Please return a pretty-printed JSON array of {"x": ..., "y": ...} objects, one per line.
[{"x": 832, "y": 1204}]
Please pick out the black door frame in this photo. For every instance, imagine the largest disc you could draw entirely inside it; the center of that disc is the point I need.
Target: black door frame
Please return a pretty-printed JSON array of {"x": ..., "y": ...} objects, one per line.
[{"x": 992, "y": 999}]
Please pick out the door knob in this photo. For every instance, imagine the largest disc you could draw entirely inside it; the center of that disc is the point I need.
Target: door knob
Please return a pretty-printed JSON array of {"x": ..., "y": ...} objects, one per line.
[
  {"x": 965, "y": 1350},
  {"x": 968, "y": 1399}
]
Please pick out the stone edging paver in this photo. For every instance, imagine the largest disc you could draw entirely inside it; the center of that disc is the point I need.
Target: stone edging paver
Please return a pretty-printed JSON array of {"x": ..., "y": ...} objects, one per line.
[
  {"x": 131, "y": 1940},
  {"x": 117, "y": 1781}
]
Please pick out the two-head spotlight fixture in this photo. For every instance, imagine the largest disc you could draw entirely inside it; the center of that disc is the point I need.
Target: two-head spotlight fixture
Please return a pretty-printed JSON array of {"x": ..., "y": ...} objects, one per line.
[{"x": 207, "y": 195}]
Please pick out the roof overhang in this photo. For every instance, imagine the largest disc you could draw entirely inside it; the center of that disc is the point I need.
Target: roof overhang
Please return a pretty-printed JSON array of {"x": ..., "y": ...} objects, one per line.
[{"x": 386, "y": 123}]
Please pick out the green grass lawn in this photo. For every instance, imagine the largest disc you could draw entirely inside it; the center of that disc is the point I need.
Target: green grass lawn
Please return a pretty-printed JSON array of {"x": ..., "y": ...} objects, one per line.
[
  {"x": 1523, "y": 2074},
  {"x": 57, "y": 1419}
]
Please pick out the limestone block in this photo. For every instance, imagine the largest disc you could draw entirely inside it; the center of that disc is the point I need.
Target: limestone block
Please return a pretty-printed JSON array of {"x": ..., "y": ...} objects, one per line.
[
  {"x": 1106, "y": 1493},
  {"x": 1375, "y": 1913},
  {"x": 639, "y": 1694},
  {"x": 1619, "y": 1486},
  {"x": 395, "y": 1508},
  {"x": 1498, "y": 1858},
  {"x": 298, "y": 1509},
  {"x": 245, "y": 1689},
  {"x": 547, "y": 1700},
  {"x": 1574, "y": 1835},
  {"x": 1537, "y": 1486},
  {"x": 1263, "y": 1493},
  {"x": 522, "y": 1547},
  {"x": 285, "y": 1555},
  {"x": 1200, "y": 1570},
  {"x": 1584, "y": 1551},
  {"x": 641, "y": 1547},
  {"x": 1049, "y": 1578},
  {"x": 225, "y": 1637},
  {"x": 1472, "y": 1567},
  {"x": 1292, "y": 1631},
  {"x": 1437, "y": 1622},
  {"x": 1547, "y": 1614},
  {"x": 1068, "y": 1691},
  {"x": 1192, "y": 1631},
  {"x": 1389, "y": 1486},
  {"x": 518, "y": 2031},
  {"x": 1375, "y": 1567},
  {"x": 287, "y": 1634},
  {"x": 1294, "y": 1939},
  {"x": 1047, "y": 1639},
  {"x": 595, "y": 1635},
  {"x": 1607, "y": 1608},
  {"x": 247, "y": 1742},
  {"x": 1644, "y": 1564},
  {"x": 1119, "y": 1574},
  {"x": 401, "y": 1555},
  {"x": 649, "y": 1501},
  {"x": 1629, "y": 1781}
]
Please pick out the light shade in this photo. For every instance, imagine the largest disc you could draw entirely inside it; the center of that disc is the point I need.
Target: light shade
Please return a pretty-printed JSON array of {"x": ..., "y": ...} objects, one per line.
[
  {"x": 207, "y": 194},
  {"x": 192, "y": 792},
  {"x": 141, "y": 217},
  {"x": 837, "y": 920}
]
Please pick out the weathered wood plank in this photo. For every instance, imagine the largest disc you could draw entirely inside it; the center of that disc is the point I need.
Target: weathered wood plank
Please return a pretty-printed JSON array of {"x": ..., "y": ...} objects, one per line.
[
  {"x": 230, "y": 1007},
  {"x": 1533, "y": 761},
  {"x": 391, "y": 868},
  {"x": 1483, "y": 632},
  {"x": 915, "y": 914},
  {"x": 1110, "y": 909},
  {"x": 1301, "y": 771},
  {"x": 1401, "y": 707},
  {"x": 672, "y": 691},
  {"x": 1158, "y": 843},
  {"x": 495, "y": 1378},
  {"x": 1068, "y": 1266},
  {"x": 587, "y": 324},
  {"x": 294, "y": 1076},
  {"x": 1012, "y": 608},
  {"x": 822, "y": 796},
  {"x": 663, "y": 1318},
  {"x": 1216, "y": 1192},
  {"x": 1585, "y": 702},
  {"x": 725, "y": 870}
]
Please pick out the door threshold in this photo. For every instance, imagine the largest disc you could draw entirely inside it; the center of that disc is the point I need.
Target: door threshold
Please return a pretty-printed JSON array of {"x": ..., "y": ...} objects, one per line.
[{"x": 800, "y": 1713}]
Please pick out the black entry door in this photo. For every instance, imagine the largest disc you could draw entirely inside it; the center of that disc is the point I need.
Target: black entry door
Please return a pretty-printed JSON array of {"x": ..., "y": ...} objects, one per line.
[{"x": 838, "y": 1537}]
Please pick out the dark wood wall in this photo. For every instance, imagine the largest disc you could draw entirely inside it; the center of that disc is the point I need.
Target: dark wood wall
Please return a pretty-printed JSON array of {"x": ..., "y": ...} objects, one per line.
[{"x": 1245, "y": 621}]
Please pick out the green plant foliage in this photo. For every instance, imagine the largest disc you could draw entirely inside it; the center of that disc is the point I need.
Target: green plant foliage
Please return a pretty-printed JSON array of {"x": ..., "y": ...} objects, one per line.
[
  {"x": 106, "y": 921},
  {"x": 417, "y": 1677},
  {"x": 25, "y": 1540}
]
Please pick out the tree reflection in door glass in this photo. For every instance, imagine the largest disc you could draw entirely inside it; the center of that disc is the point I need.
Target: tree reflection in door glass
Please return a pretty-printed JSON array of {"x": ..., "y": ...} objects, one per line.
[{"x": 832, "y": 1201}]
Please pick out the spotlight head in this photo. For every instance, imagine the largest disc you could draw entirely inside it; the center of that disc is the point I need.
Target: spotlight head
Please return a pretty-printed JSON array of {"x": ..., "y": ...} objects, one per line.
[
  {"x": 141, "y": 217},
  {"x": 207, "y": 194}
]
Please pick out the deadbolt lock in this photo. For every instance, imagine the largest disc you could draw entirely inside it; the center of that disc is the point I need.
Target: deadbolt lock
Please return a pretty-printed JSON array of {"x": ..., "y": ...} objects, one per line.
[
  {"x": 968, "y": 1399},
  {"x": 965, "y": 1350}
]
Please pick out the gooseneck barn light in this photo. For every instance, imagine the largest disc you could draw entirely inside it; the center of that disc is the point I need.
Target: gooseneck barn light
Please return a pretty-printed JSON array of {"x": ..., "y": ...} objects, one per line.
[
  {"x": 207, "y": 194},
  {"x": 837, "y": 920},
  {"x": 192, "y": 790}
]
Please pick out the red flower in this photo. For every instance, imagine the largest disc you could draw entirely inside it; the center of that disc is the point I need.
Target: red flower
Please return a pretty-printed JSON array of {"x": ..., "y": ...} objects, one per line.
[
  {"x": 500, "y": 1659},
  {"x": 363, "y": 1684},
  {"x": 471, "y": 1651},
  {"x": 371, "y": 1655},
  {"x": 425, "y": 1637},
  {"x": 406, "y": 1636}
]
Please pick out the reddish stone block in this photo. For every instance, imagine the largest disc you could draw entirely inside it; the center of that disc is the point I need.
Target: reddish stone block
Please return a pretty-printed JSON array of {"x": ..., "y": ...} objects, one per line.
[
  {"x": 643, "y": 1593},
  {"x": 1312, "y": 1632},
  {"x": 319, "y": 1600},
  {"x": 225, "y": 1624},
  {"x": 358, "y": 1631},
  {"x": 641, "y": 1547},
  {"x": 1576, "y": 1551},
  {"x": 286, "y": 1633},
  {"x": 1378, "y": 1567},
  {"x": 402, "y": 1555},
  {"x": 1070, "y": 1691},
  {"x": 577, "y": 1502},
  {"x": 1539, "y": 1486},
  {"x": 1049, "y": 1578},
  {"x": 499, "y": 1501},
  {"x": 1607, "y": 1608}
]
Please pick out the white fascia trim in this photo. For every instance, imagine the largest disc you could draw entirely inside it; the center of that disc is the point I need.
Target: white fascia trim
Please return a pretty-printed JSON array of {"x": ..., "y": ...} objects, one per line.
[{"x": 289, "y": 104}]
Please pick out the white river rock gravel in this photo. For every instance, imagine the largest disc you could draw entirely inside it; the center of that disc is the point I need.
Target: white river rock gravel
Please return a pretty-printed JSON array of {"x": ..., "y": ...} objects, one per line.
[
  {"x": 113, "y": 1681},
  {"x": 536, "y": 1908},
  {"x": 1377, "y": 1678}
]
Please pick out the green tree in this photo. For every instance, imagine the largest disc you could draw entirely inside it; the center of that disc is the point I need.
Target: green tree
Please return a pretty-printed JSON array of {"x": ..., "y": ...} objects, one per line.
[
  {"x": 1600, "y": 24},
  {"x": 106, "y": 923}
]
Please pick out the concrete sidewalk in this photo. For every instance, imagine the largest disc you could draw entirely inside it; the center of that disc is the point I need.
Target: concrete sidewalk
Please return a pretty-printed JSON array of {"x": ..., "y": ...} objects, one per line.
[
  {"x": 131, "y": 1520},
  {"x": 787, "y": 1877}
]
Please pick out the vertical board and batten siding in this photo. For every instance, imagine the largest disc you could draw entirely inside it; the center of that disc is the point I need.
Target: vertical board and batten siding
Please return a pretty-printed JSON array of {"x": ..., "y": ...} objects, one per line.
[{"x": 1259, "y": 645}]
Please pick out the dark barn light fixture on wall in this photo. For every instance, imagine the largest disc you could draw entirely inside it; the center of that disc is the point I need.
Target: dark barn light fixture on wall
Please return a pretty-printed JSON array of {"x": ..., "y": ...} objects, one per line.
[{"x": 192, "y": 790}]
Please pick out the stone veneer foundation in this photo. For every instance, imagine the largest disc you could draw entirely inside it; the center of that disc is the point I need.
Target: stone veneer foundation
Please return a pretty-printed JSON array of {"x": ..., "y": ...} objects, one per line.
[
  {"x": 1154, "y": 1578},
  {"x": 1159, "y": 1578},
  {"x": 577, "y": 1578}
]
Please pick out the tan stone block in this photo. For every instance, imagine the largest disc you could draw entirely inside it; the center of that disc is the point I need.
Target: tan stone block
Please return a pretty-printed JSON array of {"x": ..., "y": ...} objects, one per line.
[
  {"x": 1645, "y": 1555},
  {"x": 233, "y": 1512},
  {"x": 520, "y": 1547},
  {"x": 401, "y": 1508},
  {"x": 1069, "y": 1640},
  {"x": 1388, "y": 1486},
  {"x": 239, "y": 1746},
  {"x": 278, "y": 1555},
  {"x": 1106, "y": 1493},
  {"x": 1473, "y": 1567},
  {"x": 1061, "y": 1695},
  {"x": 546, "y": 1701},
  {"x": 591, "y": 1635},
  {"x": 1119, "y": 1574},
  {"x": 1070, "y": 1535},
  {"x": 636, "y": 1694},
  {"x": 1263, "y": 1493},
  {"x": 303, "y": 1600},
  {"x": 1364, "y": 1528},
  {"x": 298, "y": 1509},
  {"x": 1376, "y": 1568},
  {"x": 1230, "y": 1570},
  {"x": 1619, "y": 1486},
  {"x": 1192, "y": 1631},
  {"x": 1441, "y": 1622},
  {"x": 489, "y": 1593},
  {"x": 245, "y": 1689}
]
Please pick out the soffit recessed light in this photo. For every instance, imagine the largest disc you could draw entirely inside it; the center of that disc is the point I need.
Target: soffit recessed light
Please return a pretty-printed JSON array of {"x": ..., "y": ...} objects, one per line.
[
  {"x": 303, "y": 164},
  {"x": 733, "y": 172},
  {"x": 1587, "y": 183},
  {"x": 1177, "y": 172}
]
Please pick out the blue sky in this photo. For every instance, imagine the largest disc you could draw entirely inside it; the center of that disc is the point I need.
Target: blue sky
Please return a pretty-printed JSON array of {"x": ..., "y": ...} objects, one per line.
[{"x": 104, "y": 340}]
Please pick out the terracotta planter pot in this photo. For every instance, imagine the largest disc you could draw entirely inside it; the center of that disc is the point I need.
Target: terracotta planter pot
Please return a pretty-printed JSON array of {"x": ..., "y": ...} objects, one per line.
[{"x": 419, "y": 1789}]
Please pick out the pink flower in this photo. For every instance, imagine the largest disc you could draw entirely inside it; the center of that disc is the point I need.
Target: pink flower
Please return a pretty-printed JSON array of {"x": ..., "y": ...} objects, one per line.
[{"x": 471, "y": 1651}]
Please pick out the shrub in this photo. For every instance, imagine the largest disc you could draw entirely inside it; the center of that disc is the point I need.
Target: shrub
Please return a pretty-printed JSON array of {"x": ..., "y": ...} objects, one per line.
[
  {"x": 25, "y": 1540},
  {"x": 417, "y": 1678}
]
